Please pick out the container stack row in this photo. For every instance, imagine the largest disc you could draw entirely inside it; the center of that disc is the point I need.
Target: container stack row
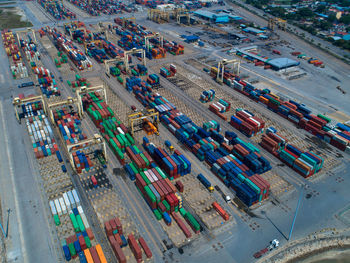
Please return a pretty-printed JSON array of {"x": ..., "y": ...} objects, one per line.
[
  {"x": 174, "y": 165},
  {"x": 69, "y": 126},
  {"x": 31, "y": 51},
  {"x": 57, "y": 9},
  {"x": 220, "y": 107},
  {"x": 247, "y": 123},
  {"x": 47, "y": 82},
  {"x": 114, "y": 132},
  {"x": 168, "y": 72},
  {"x": 76, "y": 56},
  {"x": 245, "y": 159},
  {"x": 298, "y": 113},
  {"x": 305, "y": 163},
  {"x": 207, "y": 96},
  {"x": 39, "y": 130},
  {"x": 18, "y": 69},
  {"x": 118, "y": 241}
]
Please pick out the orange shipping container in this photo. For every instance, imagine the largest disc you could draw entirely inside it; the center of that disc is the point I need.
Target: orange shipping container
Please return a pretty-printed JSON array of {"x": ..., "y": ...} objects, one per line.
[{"x": 100, "y": 253}]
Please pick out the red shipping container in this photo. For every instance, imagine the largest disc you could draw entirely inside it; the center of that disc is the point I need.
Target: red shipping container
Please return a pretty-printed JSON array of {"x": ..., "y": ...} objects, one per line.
[
  {"x": 118, "y": 252},
  {"x": 94, "y": 255},
  {"x": 145, "y": 247},
  {"x": 108, "y": 228},
  {"x": 135, "y": 247}
]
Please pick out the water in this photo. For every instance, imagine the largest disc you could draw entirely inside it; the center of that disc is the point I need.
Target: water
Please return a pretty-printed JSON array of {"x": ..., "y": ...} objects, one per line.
[{"x": 332, "y": 256}]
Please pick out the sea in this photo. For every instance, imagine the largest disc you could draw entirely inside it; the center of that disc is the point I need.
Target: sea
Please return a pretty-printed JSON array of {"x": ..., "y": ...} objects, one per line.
[{"x": 331, "y": 256}]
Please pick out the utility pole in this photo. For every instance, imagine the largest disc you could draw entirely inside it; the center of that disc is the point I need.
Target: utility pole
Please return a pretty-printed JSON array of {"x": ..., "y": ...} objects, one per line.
[{"x": 296, "y": 212}]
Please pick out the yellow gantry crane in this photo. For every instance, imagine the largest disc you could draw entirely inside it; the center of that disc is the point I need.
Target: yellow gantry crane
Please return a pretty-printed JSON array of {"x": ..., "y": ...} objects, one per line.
[
  {"x": 281, "y": 23},
  {"x": 131, "y": 52},
  {"x": 153, "y": 36},
  {"x": 221, "y": 68},
  {"x": 70, "y": 101},
  {"x": 140, "y": 117},
  {"x": 85, "y": 90},
  {"x": 107, "y": 62},
  {"x": 96, "y": 140},
  {"x": 26, "y": 31},
  {"x": 17, "y": 102}
]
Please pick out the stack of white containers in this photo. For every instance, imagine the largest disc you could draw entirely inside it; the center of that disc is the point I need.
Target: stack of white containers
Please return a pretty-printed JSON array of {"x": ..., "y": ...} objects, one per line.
[{"x": 66, "y": 203}]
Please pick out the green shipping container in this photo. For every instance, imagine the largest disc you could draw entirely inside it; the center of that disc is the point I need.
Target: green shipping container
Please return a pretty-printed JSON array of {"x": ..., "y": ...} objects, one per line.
[
  {"x": 57, "y": 220},
  {"x": 72, "y": 249},
  {"x": 193, "y": 221},
  {"x": 74, "y": 222},
  {"x": 166, "y": 204},
  {"x": 80, "y": 223},
  {"x": 87, "y": 241},
  {"x": 182, "y": 212},
  {"x": 157, "y": 214}
]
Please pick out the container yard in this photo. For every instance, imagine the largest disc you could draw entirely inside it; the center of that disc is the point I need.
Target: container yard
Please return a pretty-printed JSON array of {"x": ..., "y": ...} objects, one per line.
[{"x": 140, "y": 139}]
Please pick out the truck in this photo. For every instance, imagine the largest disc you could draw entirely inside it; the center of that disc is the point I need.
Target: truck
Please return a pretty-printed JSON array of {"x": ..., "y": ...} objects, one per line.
[
  {"x": 26, "y": 84},
  {"x": 205, "y": 182},
  {"x": 168, "y": 144},
  {"x": 273, "y": 244},
  {"x": 226, "y": 197}
]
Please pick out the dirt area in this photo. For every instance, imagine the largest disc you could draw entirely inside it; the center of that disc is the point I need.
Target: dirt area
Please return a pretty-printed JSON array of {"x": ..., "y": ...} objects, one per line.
[{"x": 13, "y": 18}]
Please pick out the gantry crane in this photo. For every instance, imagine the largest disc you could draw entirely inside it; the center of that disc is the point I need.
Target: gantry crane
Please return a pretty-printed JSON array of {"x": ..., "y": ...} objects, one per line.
[
  {"x": 126, "y": 19},
  {"x": 84, "y": 144},
  {"x": 181, "y": 12},
  {"x": 17, "y": 102},
  {"x": 107, "y": 62},
  {"x": 71, "y": 30},
  {"x": 221, "y": 68},
  {"x": 26, "y": 31},
  {"x": 141, "y": 116},
  {"x": 131, "y": 52},
  {"x": 158, "y": 16},
  {"x": 155, "y": 36},
  {"x": 84, "y": 90},
  {"x": 70, "y": 101},
  {"x": 281, "y": 23}
]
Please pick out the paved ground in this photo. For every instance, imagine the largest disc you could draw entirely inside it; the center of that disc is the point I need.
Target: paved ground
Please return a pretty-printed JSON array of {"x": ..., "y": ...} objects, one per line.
[{"x": 230, "y": 243}]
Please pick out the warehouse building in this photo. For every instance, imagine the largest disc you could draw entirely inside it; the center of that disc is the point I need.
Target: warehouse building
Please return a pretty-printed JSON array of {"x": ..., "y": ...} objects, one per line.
[
  {"x": 216, "y": 18},
  {"x": 253, "y": 31},
  {"x": 282, "y": 63}
]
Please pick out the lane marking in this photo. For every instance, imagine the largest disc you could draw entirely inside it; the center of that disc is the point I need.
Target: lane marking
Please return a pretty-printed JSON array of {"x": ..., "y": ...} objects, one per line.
[{"x": 18, "y": 211}]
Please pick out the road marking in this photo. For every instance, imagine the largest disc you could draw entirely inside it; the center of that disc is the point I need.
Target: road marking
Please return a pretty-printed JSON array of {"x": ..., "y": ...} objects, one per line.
[
  {"x": 2, "y": 79},
  {"x": 18, "y": 211}
]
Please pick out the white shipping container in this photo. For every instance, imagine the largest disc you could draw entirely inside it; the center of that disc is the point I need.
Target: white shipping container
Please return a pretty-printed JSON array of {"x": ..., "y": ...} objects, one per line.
[
  {"x": 58, "y": 207},
  {"x": 120, "y": 131},
  {"x": 53, "y": 208},
  {"x": 80, "y": 209},
  {"x": 71, "y": 199},
  {"x": 63, "y": 206},
  {"x": 84, "y": 219},
  {"x": 76, "y": 197},
  {"x": 66, "y": 201}
]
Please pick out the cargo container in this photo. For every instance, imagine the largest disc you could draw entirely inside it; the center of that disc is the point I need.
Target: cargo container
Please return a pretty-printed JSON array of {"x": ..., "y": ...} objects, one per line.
[{"x": 145, "y": 247}]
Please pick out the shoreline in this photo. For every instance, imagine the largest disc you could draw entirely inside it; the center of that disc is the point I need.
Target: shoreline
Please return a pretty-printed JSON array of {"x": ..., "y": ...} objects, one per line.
[{"x": 301, "y": 250}]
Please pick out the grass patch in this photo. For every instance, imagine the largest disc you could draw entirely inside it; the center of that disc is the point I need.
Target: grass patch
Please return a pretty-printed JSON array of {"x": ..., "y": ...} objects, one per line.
[{"x": 9, "y": 19}]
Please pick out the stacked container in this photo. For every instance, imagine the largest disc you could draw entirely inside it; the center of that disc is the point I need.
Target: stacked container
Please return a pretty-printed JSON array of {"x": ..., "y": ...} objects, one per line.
[
  {"x": 305, "y": 163},
  {"x": 207, "y": 96},
  {"x": 247, "y": 123},
  {"x": 174, "y": 165},
  {"x": 39, "y": 130},
  {"x": 77, "y": 57},
  {"x": 115, "y": 133}
]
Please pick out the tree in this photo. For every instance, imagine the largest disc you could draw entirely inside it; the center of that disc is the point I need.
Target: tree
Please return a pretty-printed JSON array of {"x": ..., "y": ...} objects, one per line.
[
  {"x": 324, "y": 25},
  {"x": 345, "y": 19},
  {"x": 320, "y": 9},
  {"x": 305, "y": 12},
  {"x": 331, "y": 18}
]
